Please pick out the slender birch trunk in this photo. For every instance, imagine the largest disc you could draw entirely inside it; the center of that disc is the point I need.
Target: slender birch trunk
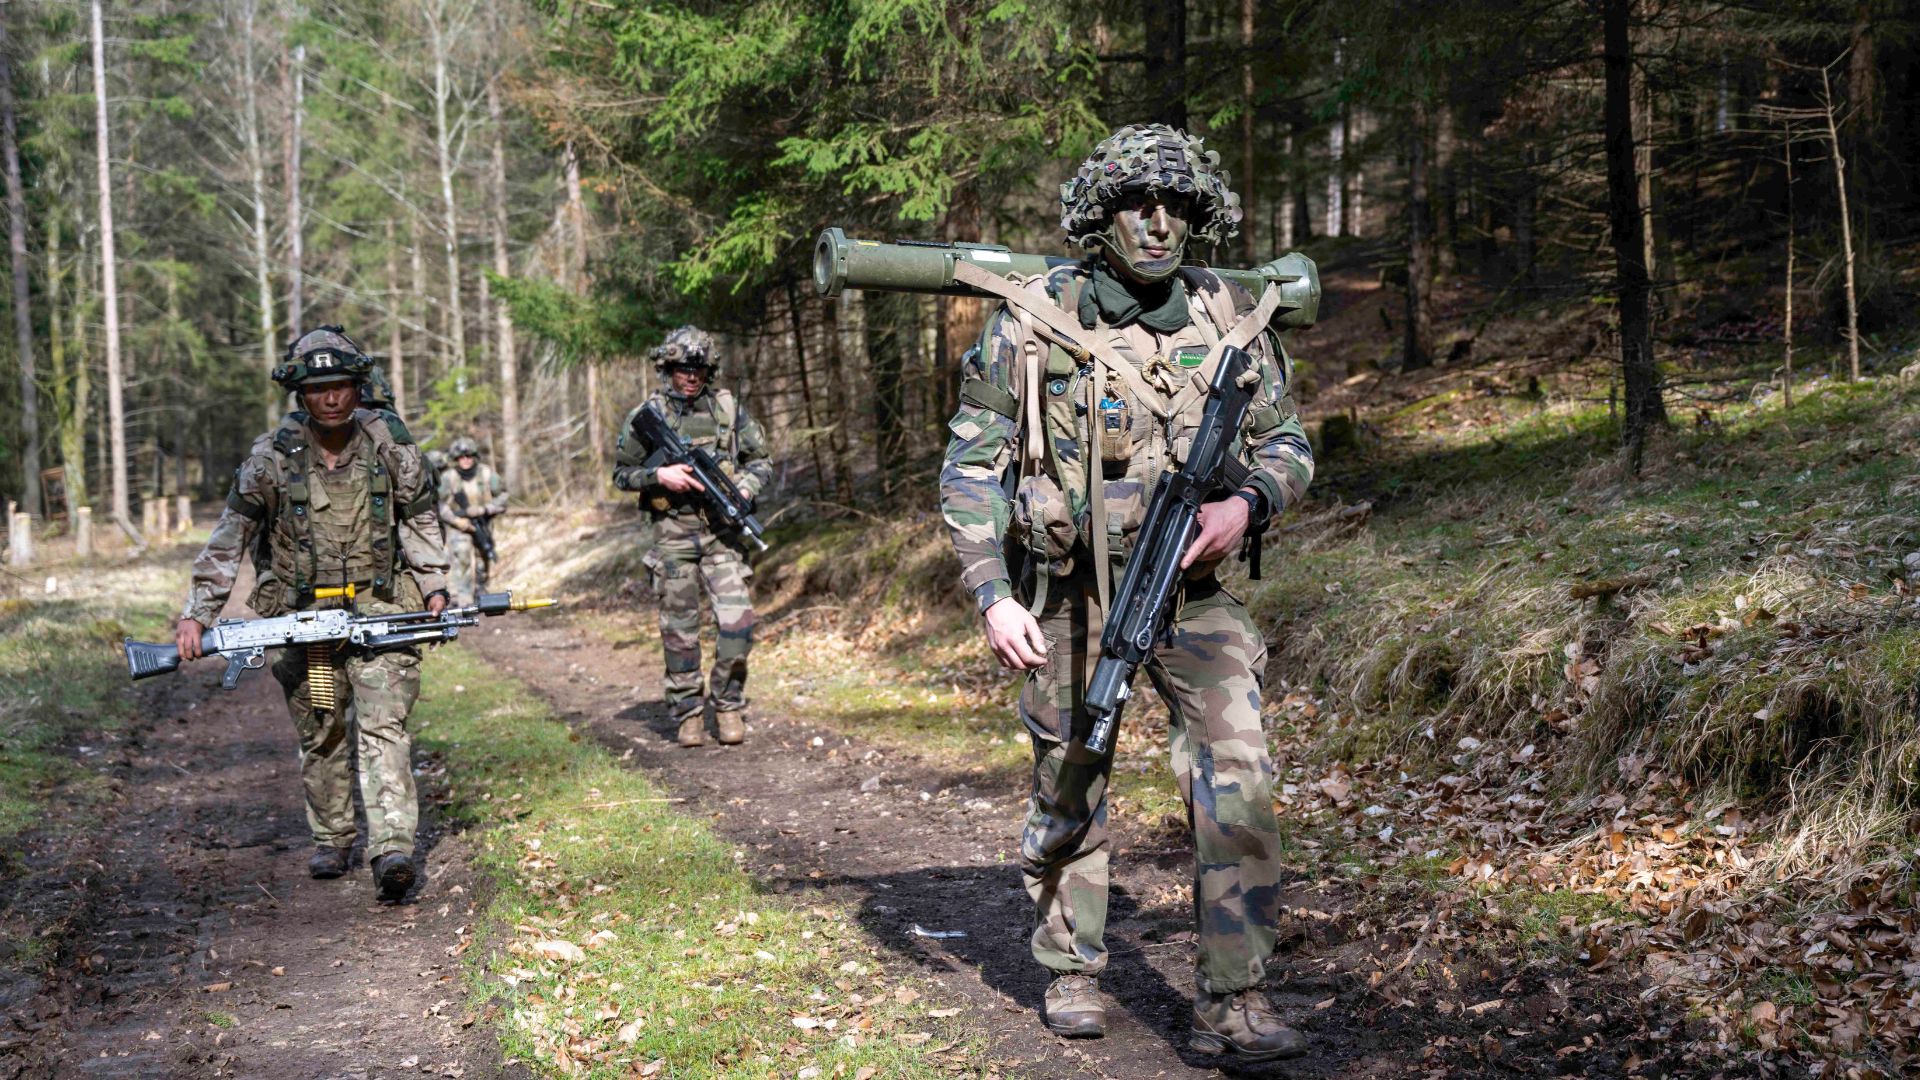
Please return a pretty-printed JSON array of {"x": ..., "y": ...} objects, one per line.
[
  {"x": 110, "y": 292},
  {"x": 443, "y": 154},
  {"x": 257, "y": 177},
  {"x": 396, "y": 335},
  {"x": 22, "y": 314},
  {"x": 577, "y": 210},
  {"x": 502, "y": 266},
  {"x": 1846, "y": 226},
  {"x": 295, "y": 79}
]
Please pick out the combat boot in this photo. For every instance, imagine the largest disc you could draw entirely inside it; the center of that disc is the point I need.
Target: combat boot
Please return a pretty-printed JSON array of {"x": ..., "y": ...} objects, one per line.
[
  {"x": 1242, "y": 1025},
  {"x": 732, "y": 727},
  {"x": 1074, "y": 1009},
  {"x": 393, "y": 873},
  {"x": 327, "y": 863},
  {"x": 693, "y": 729}
]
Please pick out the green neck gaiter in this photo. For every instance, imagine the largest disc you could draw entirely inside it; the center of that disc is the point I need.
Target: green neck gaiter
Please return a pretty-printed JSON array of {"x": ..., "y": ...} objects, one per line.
[{"x": 1160, "y": 307}]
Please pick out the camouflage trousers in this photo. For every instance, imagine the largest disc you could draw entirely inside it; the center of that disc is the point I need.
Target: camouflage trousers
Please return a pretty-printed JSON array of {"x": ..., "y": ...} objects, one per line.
[
  {"x": 687, "y": 559},
  {"x": 466, "y": 567},
  {"x": 373, "y": 697},
  {"x": 1209, "y": 674}
]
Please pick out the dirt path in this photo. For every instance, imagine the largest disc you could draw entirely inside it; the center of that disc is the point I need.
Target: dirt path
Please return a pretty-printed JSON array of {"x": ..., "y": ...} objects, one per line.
[
  {"x": 197, "y": 946},
  {"x": 923, "y": 848}
]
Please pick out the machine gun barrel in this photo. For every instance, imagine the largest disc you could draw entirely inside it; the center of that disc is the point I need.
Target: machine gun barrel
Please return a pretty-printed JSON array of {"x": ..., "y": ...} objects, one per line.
[{"x": 927, "y": 266}]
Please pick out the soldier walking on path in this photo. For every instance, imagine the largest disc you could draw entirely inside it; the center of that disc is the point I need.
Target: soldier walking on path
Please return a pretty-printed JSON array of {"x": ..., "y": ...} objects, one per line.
[
  {"x": 1151, "y": 323},
  {"x": 336, "y": 497},
  {"x": 688, "y": 553},
  {"x": 471, "y": 496}
]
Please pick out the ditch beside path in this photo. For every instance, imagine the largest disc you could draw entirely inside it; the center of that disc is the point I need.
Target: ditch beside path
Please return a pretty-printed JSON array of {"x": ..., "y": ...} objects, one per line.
[
  {"x": 193, "y": 943},
  {"x": 922, "y": 849}
]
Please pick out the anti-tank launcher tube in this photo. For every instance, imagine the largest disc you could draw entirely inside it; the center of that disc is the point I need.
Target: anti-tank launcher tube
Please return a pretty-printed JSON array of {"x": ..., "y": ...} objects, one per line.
[{"x": 927, "y": 266}]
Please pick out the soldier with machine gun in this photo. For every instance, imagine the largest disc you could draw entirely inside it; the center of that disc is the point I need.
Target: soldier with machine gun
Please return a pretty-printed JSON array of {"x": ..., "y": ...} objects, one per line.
[{"x": 336, "y": 508}]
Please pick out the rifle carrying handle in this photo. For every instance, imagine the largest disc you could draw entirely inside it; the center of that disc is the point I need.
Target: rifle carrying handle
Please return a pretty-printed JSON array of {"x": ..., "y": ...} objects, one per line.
[{"x": 146, "y": 659}]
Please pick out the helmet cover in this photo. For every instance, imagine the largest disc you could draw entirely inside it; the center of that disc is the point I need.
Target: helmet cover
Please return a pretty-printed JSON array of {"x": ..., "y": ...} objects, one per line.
[
  {"x": 323, "y": 354},
  {"x": 686, "y": 345},
  {"x": 1148, "y": 158}
]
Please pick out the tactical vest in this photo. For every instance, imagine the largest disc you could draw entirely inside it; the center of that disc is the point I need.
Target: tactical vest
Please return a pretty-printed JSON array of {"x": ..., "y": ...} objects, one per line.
[
  {"x": 1110, "y": 430},
  {"x": 332, "y": 527},
  {"x": 711, "y": 430}
]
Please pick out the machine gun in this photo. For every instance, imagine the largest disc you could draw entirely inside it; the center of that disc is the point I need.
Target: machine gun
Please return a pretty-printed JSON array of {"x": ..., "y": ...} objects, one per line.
[
  {"x": 927, "y": 266},
  {"x": 243, "y": 642},
  {"x": 1143, "y": 601},
  {"x": 724, "y": 500}
]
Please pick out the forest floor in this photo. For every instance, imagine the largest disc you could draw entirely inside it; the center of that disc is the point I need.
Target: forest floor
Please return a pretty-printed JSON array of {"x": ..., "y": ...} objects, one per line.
[
  {"x": 917, "y": 839},
  {"x": 158, "y": 914}
]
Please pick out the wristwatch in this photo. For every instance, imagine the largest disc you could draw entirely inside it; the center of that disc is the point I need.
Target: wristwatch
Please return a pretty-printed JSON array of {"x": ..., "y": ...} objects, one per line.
[{"x": 1256, "y": 503}]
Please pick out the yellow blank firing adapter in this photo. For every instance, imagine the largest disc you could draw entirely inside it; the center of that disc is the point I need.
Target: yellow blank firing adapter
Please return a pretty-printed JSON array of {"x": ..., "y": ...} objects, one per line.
[
  {"x": 332, "y": 592},
  {"x": 529, "y": 605}
]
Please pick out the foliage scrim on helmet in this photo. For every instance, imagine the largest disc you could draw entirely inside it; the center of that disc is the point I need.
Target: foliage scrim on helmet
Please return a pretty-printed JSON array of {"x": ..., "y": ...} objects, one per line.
[{"x": 1148, "y": 158}]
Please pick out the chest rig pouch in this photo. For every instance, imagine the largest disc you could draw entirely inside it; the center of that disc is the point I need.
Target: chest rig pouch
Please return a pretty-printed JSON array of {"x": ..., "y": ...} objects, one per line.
[{"x": 314, "y": 538}]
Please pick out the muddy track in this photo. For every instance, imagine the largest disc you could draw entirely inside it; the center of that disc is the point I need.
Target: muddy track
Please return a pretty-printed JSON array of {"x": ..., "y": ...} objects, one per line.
[
  {"x": 919, "y": 845},
  {"x": 192, "y": 943}
]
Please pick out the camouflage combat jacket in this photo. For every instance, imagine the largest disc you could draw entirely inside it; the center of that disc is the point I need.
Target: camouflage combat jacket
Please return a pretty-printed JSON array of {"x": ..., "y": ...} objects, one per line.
[
  {"x": 1128, "y": 447},
  {"x": 713, "y": 420},
  {"x": 463, "y": 497},
  {"x": 372, "y": 515}
]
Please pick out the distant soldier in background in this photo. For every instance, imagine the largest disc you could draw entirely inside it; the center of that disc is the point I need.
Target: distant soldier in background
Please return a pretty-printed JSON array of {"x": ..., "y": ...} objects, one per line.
[
  {"x": 336, "y": 496},
  {"x": 471, "y": 496},
  {"x": 688, "y": 552}
]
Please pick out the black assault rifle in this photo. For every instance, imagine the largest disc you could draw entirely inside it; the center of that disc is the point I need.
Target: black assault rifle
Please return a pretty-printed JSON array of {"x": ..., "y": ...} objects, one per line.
[
  {"x": 1138, "y": 618},
  {"x": 723, "y": 498},
  {"x": 243, "y": 643},
  {"x": 482, "y": 530}
]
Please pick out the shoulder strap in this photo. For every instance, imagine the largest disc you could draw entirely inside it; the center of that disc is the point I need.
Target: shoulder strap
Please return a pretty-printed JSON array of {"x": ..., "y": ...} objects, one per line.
[
  {"x": 1245, "y": 329},
  {"x": 725, "y": 410},
  {"x": 1044, "y": 316}
]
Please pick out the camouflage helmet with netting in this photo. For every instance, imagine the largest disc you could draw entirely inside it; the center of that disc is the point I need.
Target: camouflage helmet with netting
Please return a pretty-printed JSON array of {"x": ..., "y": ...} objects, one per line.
[
  {"x": 437, "y": 460},
  {"x": 686, "y": 345},
  {"x": 465, "y": 447},
  {"x": 1149, "y": 158},
  {"x": 322, "y": 353}
]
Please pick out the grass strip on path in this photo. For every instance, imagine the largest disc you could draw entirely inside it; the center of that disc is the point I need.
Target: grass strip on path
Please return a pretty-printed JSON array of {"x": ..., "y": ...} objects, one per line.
[{"x": 625, "y": 939}]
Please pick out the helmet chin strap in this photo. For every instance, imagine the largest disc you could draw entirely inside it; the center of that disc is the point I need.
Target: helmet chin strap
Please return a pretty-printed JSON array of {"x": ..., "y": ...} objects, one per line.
[{"x": 1106, "y": 240}]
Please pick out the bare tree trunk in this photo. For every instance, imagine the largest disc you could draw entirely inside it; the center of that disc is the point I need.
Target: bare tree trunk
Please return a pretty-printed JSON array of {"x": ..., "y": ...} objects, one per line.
[
  {"x": 22, "y": 315},
  {"x": 1166, "y": 75},
  {"x": 959, "y": 316},
  {"x": 257, "y": 176},
  {"x": 396, "y": 336},
  {"x": 443, "y": 156},
  {"x": 1786, "y": 379},
  {"x": 295, "y": 80},
  {"x": 503, "y": 331},
  {"x": 1639, "y": 374},
  {"x": 1846, "y": 225},
  {"x": 836, "y": 370},
  {"x": 1249, "y": 246},
  {"x": 1417, "y": 352},
  {"x": 417, "y": 274},
  {"x": 577, "y": 211},
  {"x": 1446, "y": 190},
  {"x": 70, "y": 390},
  {"x": 110, "y": 291},
  {"x": 806, "y": 389}
]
